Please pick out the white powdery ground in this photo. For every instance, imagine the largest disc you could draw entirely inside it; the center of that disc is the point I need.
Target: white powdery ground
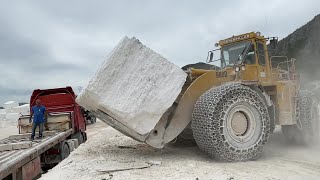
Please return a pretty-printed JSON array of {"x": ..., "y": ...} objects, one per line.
[{"x": 101, "y": 152}]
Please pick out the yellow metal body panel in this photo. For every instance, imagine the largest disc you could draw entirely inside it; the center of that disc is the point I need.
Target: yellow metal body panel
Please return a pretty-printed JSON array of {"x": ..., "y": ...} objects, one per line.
[
  {"x": 183, "y": 112},
  {"x": 250, "y": 74},
  {"x": 285, "y": 87},
  {"x": 286, "y": 102}
]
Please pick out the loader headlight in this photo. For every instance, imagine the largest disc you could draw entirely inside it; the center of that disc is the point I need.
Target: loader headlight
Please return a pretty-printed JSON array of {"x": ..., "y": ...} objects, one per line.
[
  {"x": 237, "y": 69},
  {"x": 243, "y": 68}
]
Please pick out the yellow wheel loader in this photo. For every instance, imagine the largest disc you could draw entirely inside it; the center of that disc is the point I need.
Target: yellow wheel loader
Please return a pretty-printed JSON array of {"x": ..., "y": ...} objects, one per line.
[{"x": 231, "y": 109}]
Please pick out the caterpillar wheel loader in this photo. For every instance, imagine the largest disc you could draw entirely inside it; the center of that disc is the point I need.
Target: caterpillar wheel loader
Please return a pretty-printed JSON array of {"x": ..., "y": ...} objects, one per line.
[{"x": 230, "y": 110}]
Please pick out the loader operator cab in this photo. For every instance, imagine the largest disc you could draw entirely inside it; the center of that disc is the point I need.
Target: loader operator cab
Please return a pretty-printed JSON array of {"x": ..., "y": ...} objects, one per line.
[
  {"x": 247, "y": 55},
  {"x": 237, "y": 53}
]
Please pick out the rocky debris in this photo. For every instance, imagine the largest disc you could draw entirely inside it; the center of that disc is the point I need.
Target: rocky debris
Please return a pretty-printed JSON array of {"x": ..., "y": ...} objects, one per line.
[
  {"x": 304, "y": 45},
  {"x": 152, "y": 163},
  {"x": 199, "y": 65}
]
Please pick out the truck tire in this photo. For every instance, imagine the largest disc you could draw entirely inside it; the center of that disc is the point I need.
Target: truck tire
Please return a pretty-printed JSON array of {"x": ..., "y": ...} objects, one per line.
[
  {"x": 307, "y": 131},
  {"x": 231, "y": 123},
  {"x": 64, "y": 150}
]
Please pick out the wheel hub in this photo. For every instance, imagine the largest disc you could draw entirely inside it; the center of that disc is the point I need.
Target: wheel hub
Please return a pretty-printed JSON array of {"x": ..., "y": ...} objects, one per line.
[{"x": 239, "y": 123}]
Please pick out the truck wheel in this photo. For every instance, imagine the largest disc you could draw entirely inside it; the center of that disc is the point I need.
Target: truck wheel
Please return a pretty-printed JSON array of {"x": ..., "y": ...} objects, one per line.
[
  {"x": 307, "y": 130},
  {"x": 231, "y": 123},
  {"x": 64, "y": 150}
]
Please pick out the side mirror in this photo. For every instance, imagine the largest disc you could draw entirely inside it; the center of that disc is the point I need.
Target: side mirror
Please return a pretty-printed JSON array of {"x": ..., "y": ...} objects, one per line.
[
  {"x": 210, "y": 56},
  {"x": 273, "y": 42}
]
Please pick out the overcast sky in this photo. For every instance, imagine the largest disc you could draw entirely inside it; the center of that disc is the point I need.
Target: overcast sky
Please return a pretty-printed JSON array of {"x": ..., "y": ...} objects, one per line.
[{"x": 62, "y": 43}]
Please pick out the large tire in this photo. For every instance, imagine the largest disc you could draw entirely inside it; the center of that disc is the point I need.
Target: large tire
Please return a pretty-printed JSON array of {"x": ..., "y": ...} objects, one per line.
[
  {"x": 307, "y": 130},
  {"x": 215, "y": 118}
]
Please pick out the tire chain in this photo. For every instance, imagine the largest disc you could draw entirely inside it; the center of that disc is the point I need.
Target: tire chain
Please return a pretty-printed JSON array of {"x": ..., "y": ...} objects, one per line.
[
  {"x": 305, "y": 106},
  {"x": 207, "y": 122}
]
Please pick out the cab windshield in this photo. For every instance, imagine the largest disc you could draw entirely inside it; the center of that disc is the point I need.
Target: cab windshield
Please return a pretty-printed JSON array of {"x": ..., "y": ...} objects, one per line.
[{"x": 230, "y": 54}]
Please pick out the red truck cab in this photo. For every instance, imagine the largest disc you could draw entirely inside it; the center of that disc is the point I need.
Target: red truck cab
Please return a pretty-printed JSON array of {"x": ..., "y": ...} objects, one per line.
[{"x": 62, "y": 100}]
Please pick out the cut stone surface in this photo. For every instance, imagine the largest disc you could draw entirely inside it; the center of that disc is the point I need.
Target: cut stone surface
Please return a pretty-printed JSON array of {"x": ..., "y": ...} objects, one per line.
[
  {"x": 9, "y": 105},
  {"x": 5, "y": 147},
  {"x": 75, "y": 143},
  {"x": 71, "y": 145},
  {"x": 135, "y": 86},
  {"x": 21, "y": 145},
  {"x": 23, "y": 109}
]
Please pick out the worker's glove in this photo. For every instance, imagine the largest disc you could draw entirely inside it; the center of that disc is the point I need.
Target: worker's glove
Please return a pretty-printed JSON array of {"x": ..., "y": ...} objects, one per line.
[
  {"x": 30, "y": 121},
  {"x": 45, "y": 119}
]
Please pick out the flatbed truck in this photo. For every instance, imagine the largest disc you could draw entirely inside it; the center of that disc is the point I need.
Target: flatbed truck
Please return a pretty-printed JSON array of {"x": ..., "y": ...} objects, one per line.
[{"x": 23, "y": 159}]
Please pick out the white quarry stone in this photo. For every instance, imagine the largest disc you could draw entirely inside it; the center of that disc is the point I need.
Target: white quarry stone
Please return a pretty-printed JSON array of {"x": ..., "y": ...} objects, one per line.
[
  {"x": 75, "y": 143},
  {"x": 135, "y": 85},
  {"x": 2, "y": 115},
  {"x": 9, "y": 105},
  {"x": 5, "y": 147},
  {"x": 71, "y": 145},
  {"x": 23, "y": 109},
  {"x": 12, "y": 118},
  {"x": 21, "y": 145}
]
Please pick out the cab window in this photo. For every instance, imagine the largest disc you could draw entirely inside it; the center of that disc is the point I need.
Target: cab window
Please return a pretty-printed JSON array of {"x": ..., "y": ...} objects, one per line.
[
  {"x": 250, "y": 57},
  {"x": 261, "y": 56}
]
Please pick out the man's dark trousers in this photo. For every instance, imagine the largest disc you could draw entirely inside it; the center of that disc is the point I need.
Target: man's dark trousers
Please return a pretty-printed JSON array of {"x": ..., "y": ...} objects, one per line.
[{"x": 34, "y": 126}]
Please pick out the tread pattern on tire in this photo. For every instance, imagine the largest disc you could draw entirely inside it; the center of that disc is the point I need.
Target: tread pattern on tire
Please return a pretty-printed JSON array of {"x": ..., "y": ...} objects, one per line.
[
  {"x": 306, "y": 100},
  {"x": 208, "y": 117},
  {"x": 303, "y": 134}
]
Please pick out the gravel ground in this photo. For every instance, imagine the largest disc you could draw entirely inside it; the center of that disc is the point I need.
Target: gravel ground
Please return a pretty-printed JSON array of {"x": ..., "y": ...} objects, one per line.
[{"x": 107, "y": 150}]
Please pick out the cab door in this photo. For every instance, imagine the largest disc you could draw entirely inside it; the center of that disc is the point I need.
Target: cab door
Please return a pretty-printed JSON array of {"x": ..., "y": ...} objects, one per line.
[
  {"x": 251, "y": 72},
  {"x": 263, "y": 65}
]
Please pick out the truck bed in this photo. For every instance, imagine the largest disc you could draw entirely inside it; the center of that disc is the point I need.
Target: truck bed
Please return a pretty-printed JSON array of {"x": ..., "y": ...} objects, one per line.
[{"x": 12, "y": 160}]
